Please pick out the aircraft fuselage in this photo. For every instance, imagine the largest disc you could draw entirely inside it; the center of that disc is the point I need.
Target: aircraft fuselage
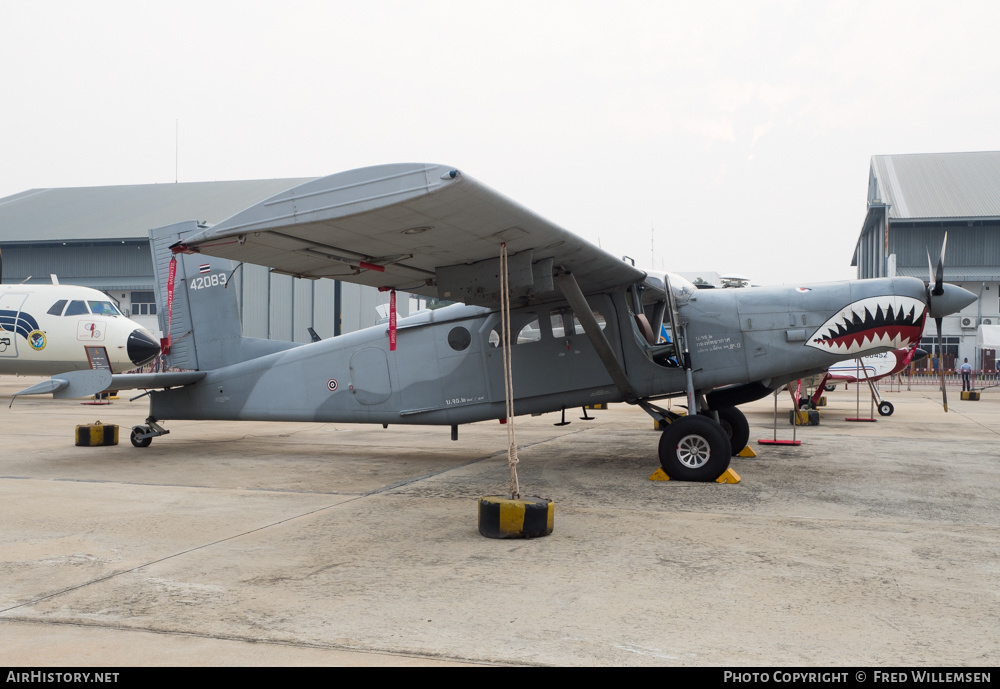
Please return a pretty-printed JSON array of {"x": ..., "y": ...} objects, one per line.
[{"x": 447, "y": 367}]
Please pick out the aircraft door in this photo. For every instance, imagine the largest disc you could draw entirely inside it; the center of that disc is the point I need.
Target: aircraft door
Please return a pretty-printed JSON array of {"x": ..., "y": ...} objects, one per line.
[
  {"x": 551, "y": 352},
  {"x": 370, "y": 382},
  {"x": 10, "y": 323}
]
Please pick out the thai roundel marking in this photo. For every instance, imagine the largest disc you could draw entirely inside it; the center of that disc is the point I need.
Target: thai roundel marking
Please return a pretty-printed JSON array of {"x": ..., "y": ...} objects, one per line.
[{"x": 890, "y": 321}]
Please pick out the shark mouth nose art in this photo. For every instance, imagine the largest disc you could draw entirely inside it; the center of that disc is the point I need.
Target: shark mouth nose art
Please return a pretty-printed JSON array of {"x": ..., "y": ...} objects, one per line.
[{"x": 889, "y": 321}]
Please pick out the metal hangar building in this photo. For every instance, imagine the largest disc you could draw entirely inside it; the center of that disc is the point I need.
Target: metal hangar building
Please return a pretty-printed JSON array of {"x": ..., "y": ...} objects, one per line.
[
  {"x": 913, "y": 201},
  {"x": 99, "y": 237}
]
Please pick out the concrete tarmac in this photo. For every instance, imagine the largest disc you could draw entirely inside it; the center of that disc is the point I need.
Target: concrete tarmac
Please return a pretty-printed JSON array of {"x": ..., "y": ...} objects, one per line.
[{"x": 334, "y": 544}]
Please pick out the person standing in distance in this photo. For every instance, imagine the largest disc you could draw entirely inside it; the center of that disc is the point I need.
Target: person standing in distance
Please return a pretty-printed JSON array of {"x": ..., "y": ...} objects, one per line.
[{"x": 966, "y": 376}]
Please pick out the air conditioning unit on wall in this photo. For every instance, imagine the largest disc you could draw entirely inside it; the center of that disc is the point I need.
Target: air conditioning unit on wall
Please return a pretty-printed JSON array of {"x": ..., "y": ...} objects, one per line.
[
  {"x": 968, "y": 322},
  {"x": 988, "y": 321}
]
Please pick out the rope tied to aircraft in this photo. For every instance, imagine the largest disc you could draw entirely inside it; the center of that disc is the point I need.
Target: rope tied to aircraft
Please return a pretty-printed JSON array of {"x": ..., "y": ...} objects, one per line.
[{"x": 512, "y": 460}]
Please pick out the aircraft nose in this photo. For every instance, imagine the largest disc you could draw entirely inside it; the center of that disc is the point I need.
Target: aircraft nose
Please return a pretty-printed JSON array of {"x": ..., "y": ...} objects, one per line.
[
  {"x": 952, "y": 300},
  {"x": 918, "y": 354},
  {"x": 141, "y": 347}
]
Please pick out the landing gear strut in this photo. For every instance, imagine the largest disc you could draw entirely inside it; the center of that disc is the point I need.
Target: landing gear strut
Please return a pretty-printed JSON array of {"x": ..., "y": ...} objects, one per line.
[{"x": 142, "y": 436}]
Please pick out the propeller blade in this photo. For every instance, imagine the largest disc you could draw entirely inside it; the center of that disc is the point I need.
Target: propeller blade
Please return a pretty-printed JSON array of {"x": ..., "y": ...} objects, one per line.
[
  {"x": 944, "y": 392},
  {"x": 939, "y": 275}
]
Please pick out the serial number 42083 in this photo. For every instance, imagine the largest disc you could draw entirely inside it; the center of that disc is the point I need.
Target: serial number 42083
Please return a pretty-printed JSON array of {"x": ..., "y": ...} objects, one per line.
[{"x": 203, "y": 281}]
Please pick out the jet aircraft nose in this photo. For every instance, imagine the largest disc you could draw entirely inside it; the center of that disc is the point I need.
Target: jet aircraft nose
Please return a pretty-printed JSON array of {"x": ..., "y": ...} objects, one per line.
[
  {"x": 918, "y": 354},
  {"x": 141, "y": 347}
]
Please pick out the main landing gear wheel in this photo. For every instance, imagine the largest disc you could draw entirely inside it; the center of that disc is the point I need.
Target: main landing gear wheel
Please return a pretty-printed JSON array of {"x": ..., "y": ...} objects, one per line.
[
  {"x": 694, "y": 448},
  {"x": 736, "y": 427},
  {"x": 137, "y": 441},
  {"x": 885, "y": 408}
]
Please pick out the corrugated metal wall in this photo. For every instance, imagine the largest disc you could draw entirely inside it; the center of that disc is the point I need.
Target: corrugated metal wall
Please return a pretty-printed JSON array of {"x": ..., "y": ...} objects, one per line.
[
  {"x": 323, "y": 315},
  {"x": 280, "y": 308},
  {"x": 255, "y": 292},
  {"x": 967, "y": 246},
  {"x": 82, "y": 264},
  {"x": 870, "y": 259}
]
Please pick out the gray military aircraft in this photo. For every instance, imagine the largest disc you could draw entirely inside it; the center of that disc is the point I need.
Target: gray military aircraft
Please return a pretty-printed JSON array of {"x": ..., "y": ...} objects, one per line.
[{"x": 581, "y": 320}]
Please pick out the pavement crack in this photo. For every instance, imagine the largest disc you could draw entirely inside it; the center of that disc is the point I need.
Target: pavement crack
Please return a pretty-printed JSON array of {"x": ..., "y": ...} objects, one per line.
[{"x": 269, "y": 642}]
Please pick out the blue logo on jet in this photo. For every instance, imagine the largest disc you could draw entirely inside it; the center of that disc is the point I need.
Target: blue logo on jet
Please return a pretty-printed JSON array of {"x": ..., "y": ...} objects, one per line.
[{"x": 19, "y": 322}]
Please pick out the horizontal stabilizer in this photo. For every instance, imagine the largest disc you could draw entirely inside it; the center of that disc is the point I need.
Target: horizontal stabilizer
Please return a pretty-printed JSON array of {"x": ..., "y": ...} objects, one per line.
[{"x": 71, "y": 384}]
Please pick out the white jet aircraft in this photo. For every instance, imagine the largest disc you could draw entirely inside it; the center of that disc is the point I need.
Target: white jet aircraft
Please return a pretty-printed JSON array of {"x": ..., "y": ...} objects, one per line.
[{"x": 49, "y": 329}]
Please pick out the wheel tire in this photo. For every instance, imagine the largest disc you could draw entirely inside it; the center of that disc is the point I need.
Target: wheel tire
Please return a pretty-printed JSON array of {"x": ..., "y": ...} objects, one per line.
[
  {"x": 136, "y": 440},
  {"x": 736, "y": 427},
  {"x": 806, "y": 403},
  {"x": 885, "y": 408},
  {"x": 829, "y": 388},
  {"x": 694, "y": 448}
]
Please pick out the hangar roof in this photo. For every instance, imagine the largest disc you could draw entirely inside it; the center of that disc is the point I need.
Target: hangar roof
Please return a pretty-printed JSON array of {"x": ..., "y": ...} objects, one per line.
[
  {"x": 128, "y": 211},
  {"x": 937, "y": 185}
]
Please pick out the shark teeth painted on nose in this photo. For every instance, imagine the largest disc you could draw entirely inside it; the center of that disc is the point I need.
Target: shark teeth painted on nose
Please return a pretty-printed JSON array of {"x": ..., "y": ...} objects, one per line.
[{"x": 867, "y": 324}]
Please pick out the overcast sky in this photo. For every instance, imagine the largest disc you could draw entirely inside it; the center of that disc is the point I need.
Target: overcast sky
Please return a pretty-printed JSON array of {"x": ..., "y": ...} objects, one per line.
[{"x": 733, "y": 137}]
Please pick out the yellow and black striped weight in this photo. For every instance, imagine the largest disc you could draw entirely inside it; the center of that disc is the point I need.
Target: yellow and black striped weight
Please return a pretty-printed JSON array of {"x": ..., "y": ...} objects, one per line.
[
  {"x": 96, "y": 434},
  {"x": 515, "y": 518}
]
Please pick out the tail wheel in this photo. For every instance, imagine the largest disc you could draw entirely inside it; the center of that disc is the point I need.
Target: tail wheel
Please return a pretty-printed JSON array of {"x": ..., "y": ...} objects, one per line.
[
  {"x": 885, "y": 408},
  {"x": 135, "y": 438},
  {"x": 694, "y": 448}
]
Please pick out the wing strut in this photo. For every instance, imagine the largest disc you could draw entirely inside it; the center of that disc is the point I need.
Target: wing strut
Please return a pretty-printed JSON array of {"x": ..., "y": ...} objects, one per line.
[{"x": 571, "y": 290}]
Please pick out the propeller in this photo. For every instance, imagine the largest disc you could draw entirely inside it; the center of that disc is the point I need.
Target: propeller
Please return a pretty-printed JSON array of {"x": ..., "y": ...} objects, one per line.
[{"x": 935, "y": 288}]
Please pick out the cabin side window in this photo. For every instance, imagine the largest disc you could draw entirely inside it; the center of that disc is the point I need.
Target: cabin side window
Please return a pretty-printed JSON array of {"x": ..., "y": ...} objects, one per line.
[
  {"x": 57, "y": 308},
  {"x": 562, "y": 322},
  {"x": 525, "y": 325}
]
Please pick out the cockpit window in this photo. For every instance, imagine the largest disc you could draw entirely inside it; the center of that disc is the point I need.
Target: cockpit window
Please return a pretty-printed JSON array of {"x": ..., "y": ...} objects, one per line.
[
  {"x": 103, "y": 308},
  {"x": 57, "y": 308},
  {"x": 77, "y": 308}
]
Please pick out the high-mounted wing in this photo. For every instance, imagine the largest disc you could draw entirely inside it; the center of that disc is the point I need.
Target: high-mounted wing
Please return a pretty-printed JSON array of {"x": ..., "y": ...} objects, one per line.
[{"x": 427, "y": 229}]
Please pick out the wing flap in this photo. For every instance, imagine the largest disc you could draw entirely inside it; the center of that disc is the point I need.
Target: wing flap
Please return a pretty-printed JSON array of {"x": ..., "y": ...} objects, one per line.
[{"x": 399, "y": 226}]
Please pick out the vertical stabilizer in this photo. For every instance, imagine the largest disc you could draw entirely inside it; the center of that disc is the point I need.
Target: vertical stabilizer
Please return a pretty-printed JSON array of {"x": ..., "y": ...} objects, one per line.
[
  {"x": 205, "y": 319},
  {"x": 205, "y": 327}
]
